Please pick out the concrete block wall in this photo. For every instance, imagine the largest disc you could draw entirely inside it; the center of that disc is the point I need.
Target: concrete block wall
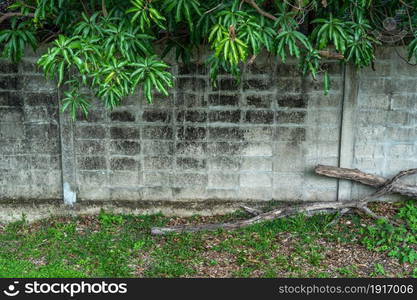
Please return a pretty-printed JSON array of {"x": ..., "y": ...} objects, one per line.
[
  {"x": 253, "y": 141},
  {"x": 257, "y": 140},
  {"x": 386, "y": 118},
  {"x": 30, "y": 164}
]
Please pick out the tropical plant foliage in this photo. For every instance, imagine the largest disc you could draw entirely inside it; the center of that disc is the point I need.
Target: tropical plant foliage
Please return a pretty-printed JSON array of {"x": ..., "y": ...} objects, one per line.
[{"x": 115, "y": 47}]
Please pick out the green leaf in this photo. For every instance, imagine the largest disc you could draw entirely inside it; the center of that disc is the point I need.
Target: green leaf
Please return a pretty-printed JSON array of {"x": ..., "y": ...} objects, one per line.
[{"x": 326, "y": 81}]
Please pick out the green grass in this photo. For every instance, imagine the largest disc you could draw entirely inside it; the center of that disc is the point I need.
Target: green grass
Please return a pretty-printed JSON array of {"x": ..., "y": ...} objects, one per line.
[{"x": 121, "y": 246}]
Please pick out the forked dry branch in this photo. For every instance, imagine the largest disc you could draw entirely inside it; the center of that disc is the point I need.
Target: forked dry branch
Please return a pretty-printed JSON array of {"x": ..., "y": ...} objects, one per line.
[{"x": 384, "y": 187}]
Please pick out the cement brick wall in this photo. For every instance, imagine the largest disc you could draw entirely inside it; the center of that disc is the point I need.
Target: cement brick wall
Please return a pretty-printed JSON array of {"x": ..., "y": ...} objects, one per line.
[
  {"x": 258, "y": 140},
  {"x": 30, "y": 164},
  {"x": 386, "y": 117}
]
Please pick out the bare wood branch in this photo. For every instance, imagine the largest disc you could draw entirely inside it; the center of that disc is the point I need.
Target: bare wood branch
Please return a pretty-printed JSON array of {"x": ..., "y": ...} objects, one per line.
[
  {"x": 6, "y": 16},
  {"x": 104, "y": 8},
  {"x": 331, "y": 55},
  {"x": 373, "y": 215},
  {"x": 260, "y": 10},
  {"x": 251, "y": 210},
  {"x": 252, "y": 59},
  {"x": 84, "y": 7},
  {"x": 368, "y": 179},
  {"x": 267, "y": 216},
  {"x": 384, "y": 187},
  {"x": 339, "y": 216},
  {"x": 323, "y": 53}
]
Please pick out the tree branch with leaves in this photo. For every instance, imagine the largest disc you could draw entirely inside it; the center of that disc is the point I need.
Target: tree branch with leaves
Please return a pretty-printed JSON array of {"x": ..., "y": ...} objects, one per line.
[{"x": 110, "y": 46}]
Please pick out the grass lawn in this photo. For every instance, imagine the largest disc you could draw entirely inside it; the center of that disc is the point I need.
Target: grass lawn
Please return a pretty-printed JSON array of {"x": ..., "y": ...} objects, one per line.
[{"x": 121, "y": 246}]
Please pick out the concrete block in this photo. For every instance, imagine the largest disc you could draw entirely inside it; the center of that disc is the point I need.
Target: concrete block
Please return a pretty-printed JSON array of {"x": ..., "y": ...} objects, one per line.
[
  {"x": 191, "y": 84},
  {"x": 11, "y": 131},
  {"x": 11, "y": 98},
  {"x": 158, "y": 147},
  {"x": 311, "y": 85},
  {"x": 7, "y": 67},
  {"x": 223, "y": 100},
  {"x": 226, "y": 133},
  {"x": 192, "y": 148},
  {"x": 11, "y": 114},
  {"x": 224, "y": 163},
  {"x": 258, "y": 133},
  {"x": 192, "y": 116},
  {"x": 190, "y": 99},
  {"x": 401, "y": 151},
  {"x": 255, "y": 193},
  {"x": 190, "y": 163},
  {"x": 120, "y": 147},
  {"x": 190, "y": 193},
  {"x": 320, "y": 195},
  {"x": 296, "y": 134},
  {"x": 90, "y": 147},
  {"x": 258, "y": 84},
  {"x": 223, "y": 181},
  {"x": 292, "y": 101},
  {"x": 224, "y": 148},
  {"x": 35, "y": 83},
  {"x": 188, "y": 179},
  {"x": 257, "y": 149},
  {"x": 222, "y": 194},
  {"x": 90, "y": 131},
  {"x": 399, "y": 134},
  {"x": 158, "y": 162},
  {"x": 124, "y": 178},
  {"x": 98, "y": 179},
  {"x": 406, "y": 102},
  {"x": 120, "y": 194},
  {"x": 124, "y": 163},
  {"x": 91, "y": 163},
  {"x": 375, "y": 85},
  {"x": 226, "y": 84},
  {"x": 259, "y": 117},
  {"x": 36, "y": 114},
  {"x": 122, "y": 116},
  {"x": 289, "y": 85},
  {"x": 156, "y": 179},
  {"x": 256, "y": 164},
  {"x": 255, "y": 179},
  {"x": 259, "y": 100},
  {"x": 288, "y": 70},
  {"x": 315, "y": 118},
  {"x": 157, "y": 132},
  {"x": 40, "y": 98},
  {"x": 157, "y": 193},
  {"x": 224, "y": 116},
  {"x": 125, "y": 133},
  {"x": 192, "y": 69},
  {"x": 191, "y": 133},
  {"x": 290, "y": 117},
  {"x": 9, "y": 82},
  {"x": 374, "y": 101},
  {"x": 158, "y": 116},
  {"x": 88, "y": 192}
]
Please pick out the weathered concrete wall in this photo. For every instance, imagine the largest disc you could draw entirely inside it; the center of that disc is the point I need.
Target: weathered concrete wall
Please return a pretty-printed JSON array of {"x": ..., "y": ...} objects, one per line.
[
  {"x": 257, "y": 140},
  {"x": 385, "y": 135},
  {"x": 29, "y": 139},
  {"x": 207, "y": 149}
]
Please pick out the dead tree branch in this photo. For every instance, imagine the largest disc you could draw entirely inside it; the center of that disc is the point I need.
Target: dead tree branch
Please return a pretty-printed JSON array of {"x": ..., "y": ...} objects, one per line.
[
  {"x": 260, "y": 10},
  {"x": 6, "y": 16},
  {"x": 384, "y": 186},
  {"x": 251, "y": 210},
  {"x": 371, "y": 180},
  {"x": 323, "y": 53}
]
